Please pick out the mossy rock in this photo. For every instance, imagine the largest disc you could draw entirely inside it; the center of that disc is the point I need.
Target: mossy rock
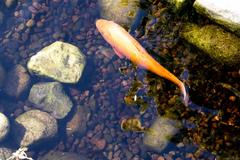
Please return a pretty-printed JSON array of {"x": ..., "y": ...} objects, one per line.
[{"x": 214, "y": 41}]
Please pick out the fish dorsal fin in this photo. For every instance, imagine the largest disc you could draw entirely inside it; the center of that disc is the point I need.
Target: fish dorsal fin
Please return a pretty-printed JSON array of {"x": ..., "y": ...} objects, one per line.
[{"x": 120, "y": 55}]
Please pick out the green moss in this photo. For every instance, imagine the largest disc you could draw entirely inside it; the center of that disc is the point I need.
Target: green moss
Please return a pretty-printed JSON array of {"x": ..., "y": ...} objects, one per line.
[{"x": 213, "y": 40}]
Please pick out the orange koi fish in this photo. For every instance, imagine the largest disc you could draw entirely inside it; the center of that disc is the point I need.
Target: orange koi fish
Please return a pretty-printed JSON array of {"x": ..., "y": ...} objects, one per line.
[{"x": 125, "y": 45}]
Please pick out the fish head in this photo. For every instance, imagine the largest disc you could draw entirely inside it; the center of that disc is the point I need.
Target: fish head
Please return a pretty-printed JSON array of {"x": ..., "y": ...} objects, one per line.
[{"x": 104, "y": 27}]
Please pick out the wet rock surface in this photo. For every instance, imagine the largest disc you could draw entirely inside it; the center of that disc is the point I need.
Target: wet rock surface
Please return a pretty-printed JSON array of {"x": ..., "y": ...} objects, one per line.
[
  {"x": 17, "y": 81},
  {"x": 33, "y": 127},
  {"x": 214, "y": 41},
  {"x": 50, "y": 97},
  {"x": 53, "y": 155},
  {"x": 160, "y": 133},
  {"x": 4, "y": 126},
  {"x": 223, "y": 12},
  {"x": 60, "y": 61}
]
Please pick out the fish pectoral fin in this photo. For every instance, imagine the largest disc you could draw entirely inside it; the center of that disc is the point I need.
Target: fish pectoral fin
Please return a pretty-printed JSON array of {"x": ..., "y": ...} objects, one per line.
[{"x": 120, "y": 55}]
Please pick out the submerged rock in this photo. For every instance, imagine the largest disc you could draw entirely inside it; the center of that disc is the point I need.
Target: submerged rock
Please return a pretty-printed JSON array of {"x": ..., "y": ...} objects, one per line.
[
  {"x": 17, "y": 81},
  {"x": 226, "y": 13},
  {"x": 214, "y": 41},
  {"x": 56, "y": 155},
  {"x": 122, "y": 12},
  {"x": 4, "y": 126},
  {"x": 34, "y": 126},
  {"x": 50, "y": 97},
  {"x": 78, "y": 124},
  {"x": 60, "y": 61},
  {"x": 162, "y": 130}
]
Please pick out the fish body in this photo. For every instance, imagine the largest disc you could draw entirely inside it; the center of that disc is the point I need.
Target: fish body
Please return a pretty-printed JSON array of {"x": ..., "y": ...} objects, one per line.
[{"x": 126, "y": 46}]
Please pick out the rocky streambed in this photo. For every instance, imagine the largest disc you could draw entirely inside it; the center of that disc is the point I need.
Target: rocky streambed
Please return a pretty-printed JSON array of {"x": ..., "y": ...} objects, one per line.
[{"x": 65, "y": 95}]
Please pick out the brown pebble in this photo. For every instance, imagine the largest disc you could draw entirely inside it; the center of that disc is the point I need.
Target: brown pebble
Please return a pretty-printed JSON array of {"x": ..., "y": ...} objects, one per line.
[
  {"x": 100, "y": 144},
  {"x": 232, "y": 98},
  {"x": 32, "y": 9},
  {"x": 75, "y": 18},
  {"x": 30, "y": 23},
  {"x": 17, "y": 14},
  {"x": 160, "y": 158}
]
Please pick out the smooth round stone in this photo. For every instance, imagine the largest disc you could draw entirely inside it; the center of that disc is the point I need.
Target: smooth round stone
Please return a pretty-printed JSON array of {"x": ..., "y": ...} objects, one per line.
[{"x": 4, "y": 126}]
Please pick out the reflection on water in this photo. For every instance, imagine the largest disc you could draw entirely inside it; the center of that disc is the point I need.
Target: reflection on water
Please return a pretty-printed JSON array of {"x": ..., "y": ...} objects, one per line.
[{"x": 113, "y": 89}]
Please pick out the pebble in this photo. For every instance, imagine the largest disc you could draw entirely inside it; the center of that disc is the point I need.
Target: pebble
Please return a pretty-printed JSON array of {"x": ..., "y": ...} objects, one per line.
[
  {"x": 30, "y": 23},
  {"x": 100, "y": 144}
]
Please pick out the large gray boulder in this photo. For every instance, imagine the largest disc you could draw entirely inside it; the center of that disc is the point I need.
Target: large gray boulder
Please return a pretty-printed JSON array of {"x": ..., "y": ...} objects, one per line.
[
  {"x": 119, "y": 11},
  {"x": 159, "y": 135},
  {"x": 50, "y": 97},
  {"x": 224, "y": 12},
  {"x": 4, "y": 126},
  {"x": 60, "y": 61},
  {"x": 33, "y": 127},
  {"x": 214, "y": 41}
]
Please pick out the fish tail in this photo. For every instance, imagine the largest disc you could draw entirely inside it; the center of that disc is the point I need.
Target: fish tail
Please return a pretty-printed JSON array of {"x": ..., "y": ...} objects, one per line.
[{"x": 185, "y": 94}]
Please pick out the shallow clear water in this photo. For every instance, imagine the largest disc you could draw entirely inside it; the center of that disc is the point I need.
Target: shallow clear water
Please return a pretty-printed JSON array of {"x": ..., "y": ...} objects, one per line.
[{"x": 109, "y": 84}]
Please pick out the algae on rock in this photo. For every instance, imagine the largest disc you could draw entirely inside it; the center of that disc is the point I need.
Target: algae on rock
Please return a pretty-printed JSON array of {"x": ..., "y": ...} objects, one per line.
[{"x": 214, "y": 41}]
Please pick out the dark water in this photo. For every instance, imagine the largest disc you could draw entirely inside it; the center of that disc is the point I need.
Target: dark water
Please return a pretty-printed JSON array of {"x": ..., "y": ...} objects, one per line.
[{"x": 108, "y": 86}]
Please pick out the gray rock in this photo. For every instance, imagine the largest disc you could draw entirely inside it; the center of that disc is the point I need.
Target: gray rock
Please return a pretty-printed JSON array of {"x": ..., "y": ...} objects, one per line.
[
  {"x": 119, "y": 11},
  {"x": 17, "y": 81},
  {"x": 33, "y": 127},
  {"x": 160, "y": 133},
  {"x": 4, "y": 126},
  {"x": 226, "y": 13},
  {"x": 50, "y": 97},
  {"x": 55, "y": 155},
  {"x": 214, "y": 41},
  {"x": 5, "y": 153},
  {"x": 78, "y": 123},
  {"x": 60, "y": 61},
  {"x": 9, "y": 3},
  {"x": 2, "y": 75}
]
